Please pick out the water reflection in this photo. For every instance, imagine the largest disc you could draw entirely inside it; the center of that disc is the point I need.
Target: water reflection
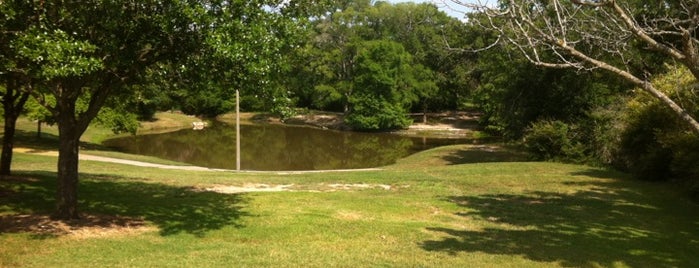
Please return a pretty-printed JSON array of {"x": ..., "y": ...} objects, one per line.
[{"x": 276, "y": 147}]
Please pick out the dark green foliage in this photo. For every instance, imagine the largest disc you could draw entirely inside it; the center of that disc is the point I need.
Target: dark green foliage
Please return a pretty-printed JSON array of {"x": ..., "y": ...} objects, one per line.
[
  {"x": 685, "y": 161},
  {"x": 381, "y": 96},
  {"x": 371, "y": 114},
  {"x": 206, "y": 103},
  {"x": 325, "y": 69},
  {"x": 513, "y": 94},
  {"x": 118, "y": 121},
  {"x": 641, "y": 151},
  {"x": 553, "y": 140},
  {"x": 656, "y": 145}
]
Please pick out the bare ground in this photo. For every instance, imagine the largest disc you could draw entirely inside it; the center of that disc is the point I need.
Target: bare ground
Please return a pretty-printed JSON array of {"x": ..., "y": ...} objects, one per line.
[
  {"x": 261, "y": 187},
  {"x": 88, "y": 226},
  {"x": 453, "y": 123}
]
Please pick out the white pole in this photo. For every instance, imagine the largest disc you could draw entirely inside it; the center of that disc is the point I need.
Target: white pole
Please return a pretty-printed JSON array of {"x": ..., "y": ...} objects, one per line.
[{"x": 237, "y": 130}]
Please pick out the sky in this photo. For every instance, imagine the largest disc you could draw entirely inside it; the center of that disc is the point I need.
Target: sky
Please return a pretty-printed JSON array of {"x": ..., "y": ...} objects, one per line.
[{"x": 448, "y": 6}]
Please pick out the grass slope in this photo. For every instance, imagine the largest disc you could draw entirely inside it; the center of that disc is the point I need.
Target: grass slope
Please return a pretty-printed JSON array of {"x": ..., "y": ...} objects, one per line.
[
  {"x": 455, "y": 206},
  {"x": 438, "y": 213}
]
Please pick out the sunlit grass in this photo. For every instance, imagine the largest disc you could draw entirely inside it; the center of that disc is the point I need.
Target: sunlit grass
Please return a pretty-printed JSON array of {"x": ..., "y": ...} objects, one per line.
[
  {"x": 454, "y": 206},
  {"x": 458, "y": 215}
]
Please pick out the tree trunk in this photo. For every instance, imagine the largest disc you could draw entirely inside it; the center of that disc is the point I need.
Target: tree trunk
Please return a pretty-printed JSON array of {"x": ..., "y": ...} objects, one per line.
[
  {"x": 13, "y": 102},
  {"x": 424, "y": 113},
  {"x": 71, "y": 126},
  {"x": 38, "y": 128},
  {"x": 67, "y": 193},
  {"x": 7, "y": 144}
]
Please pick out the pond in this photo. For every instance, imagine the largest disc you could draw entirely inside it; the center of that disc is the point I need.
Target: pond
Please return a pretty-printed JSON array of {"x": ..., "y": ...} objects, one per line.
[{"x": 278, "y": 147}]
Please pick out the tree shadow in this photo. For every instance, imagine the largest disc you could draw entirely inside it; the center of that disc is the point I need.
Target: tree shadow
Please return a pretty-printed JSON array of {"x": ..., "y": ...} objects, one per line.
[
  {"x": 485, "y": 153},
  {"x": 606, "y": 223},
  {"x": 46, "y": 141},
  {"x": 172, "y": 209}
]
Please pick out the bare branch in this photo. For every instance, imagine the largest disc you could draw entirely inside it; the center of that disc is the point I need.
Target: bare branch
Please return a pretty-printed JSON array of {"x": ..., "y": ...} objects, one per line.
[{"x": 577, "y": 34}]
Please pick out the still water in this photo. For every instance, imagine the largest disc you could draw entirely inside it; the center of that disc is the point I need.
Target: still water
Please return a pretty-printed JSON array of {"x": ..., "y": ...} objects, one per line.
[{"x": 277, "y": 147}]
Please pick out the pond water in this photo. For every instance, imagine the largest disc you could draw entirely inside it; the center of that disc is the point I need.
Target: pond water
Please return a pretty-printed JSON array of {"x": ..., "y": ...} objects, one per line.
[{"x": 278, "y": 147}]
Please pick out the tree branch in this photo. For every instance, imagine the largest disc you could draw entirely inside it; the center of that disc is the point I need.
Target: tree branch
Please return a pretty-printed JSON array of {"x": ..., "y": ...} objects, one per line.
[{"x": 553, "y": 29}]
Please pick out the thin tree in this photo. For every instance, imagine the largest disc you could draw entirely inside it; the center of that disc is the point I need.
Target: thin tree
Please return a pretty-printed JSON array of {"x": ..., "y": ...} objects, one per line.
[
  {"x": 13, "y": 97},
  {"x": 14, "y": 80}
]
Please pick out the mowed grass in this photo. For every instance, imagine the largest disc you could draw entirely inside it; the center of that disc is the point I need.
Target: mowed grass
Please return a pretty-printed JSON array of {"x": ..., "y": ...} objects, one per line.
[{"x": 437, "y": 213}]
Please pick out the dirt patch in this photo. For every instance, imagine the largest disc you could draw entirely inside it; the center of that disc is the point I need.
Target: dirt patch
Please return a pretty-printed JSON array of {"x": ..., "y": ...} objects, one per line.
[
  {"x": 247, "y": 188},
  {"x": 455, "y": 123},
  {"x": 261, "y": 187},
  {"x": 350, "y": 215},
  {"x": 89, "y": 226},
  {"x": 346, "y": 187},
  {"x": 320, "y": 120}
]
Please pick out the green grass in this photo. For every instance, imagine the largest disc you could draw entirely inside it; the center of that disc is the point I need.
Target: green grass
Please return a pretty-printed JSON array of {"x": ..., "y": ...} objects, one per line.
[
  {"x": 436, "y": 215},
  {"x": 455, "y": 206},
  {"x": 91, "y": 140}
]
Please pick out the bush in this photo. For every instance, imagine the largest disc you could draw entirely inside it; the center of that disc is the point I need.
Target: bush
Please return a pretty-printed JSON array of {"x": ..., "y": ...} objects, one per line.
[
  {"x": 373, "y": 114},
  {"x": 655, "y": 144},
  {"x": 641, "y": 151},
  {"x": 553, "y": 140},
  {"x": 685, "y": 161}
]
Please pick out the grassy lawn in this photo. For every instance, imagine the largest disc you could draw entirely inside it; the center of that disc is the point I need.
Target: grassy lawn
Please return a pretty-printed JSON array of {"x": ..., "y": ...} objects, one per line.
[{"x": 440, "y": 211}]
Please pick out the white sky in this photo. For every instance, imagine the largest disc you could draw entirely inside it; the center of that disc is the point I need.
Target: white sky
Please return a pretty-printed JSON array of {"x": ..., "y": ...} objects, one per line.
[{"x": 448, "y": 6}]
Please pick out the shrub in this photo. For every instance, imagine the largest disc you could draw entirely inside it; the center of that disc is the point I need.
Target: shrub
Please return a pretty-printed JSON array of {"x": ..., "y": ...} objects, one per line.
[
  {"x": 655, "y": 144},
  {"x": 553, "y": 140},
  {"x": 372, "y": 114}
]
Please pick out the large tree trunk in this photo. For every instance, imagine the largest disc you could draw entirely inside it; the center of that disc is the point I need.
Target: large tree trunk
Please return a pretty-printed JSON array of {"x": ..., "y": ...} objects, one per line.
[
  {"x": 70, "y": 127},
  {"x": 67, "y": 192}
]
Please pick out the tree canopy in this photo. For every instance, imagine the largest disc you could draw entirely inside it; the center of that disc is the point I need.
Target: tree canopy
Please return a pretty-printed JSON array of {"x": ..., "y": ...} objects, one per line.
[
  {"x": 600, "y": 34},
  {"x": 324, "y": 69},
  {"x": 79, "y": 56}
]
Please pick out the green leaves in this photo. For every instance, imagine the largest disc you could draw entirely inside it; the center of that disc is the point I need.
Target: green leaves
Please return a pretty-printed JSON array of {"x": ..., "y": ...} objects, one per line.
[
  {"x": 380, "y": 100},
  {"x": 57, "y": 54},
  {"x": 331, "y": 63}
]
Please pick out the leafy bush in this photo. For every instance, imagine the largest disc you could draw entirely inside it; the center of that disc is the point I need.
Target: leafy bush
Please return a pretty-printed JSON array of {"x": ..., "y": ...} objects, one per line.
[
  {"x": 553, "y": 140},
  {"x": 655, "y": 144},
  {"x": 117, "y": 120},
  {"x": 372, "y": 114},
  {"x": 383, "y": 91},
  {"x": 641, "y": 151}
]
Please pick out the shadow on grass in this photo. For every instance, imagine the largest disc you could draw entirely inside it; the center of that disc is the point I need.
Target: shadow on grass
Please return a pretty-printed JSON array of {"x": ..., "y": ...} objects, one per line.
[
  {"x": 46, "y": 142},
  {"x": 607, "y": 223},
  {"x": 172, "y": 209},
  {"x": 485, "y": 153}
]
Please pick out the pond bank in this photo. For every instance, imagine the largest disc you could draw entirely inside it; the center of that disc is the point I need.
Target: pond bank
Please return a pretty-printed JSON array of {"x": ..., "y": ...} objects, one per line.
[{"x": 457, "y": 124}]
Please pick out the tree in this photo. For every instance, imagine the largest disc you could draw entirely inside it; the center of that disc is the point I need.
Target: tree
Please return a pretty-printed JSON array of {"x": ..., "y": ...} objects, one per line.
[
  {"x": 14, "y": 82},
  {"x": 324, "y": 77},
  {"x": 426, "y": 33},
  {"x": 13, "y": 100},
  {"x": 246, "y": 48},
  {"x": 599, "y": 34},
  {"x": 83, "y": 55},
  {"x": 328, "y": 58},
  {"x": 87, "y": 52},
  {"x": 382, "y": 88}
]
